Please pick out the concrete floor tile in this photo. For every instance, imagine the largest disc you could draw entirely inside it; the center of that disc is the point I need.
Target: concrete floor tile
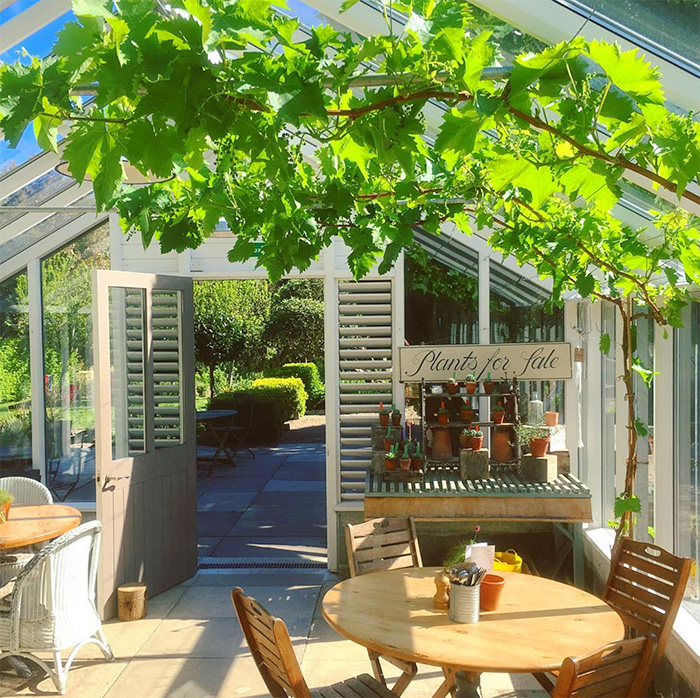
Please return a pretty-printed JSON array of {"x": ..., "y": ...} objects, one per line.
[
  {"x": 275, "y": 528},
  {"x": 299, "y": 475},
  {"x": 292, "y": 500},
  {"x": 293, "y": 486},
  {"x": 225, "y": 501},
  {"x": 257, "y": 578},
  {"x": 216, "y": 523},
  {"x": 253, "y": 483},
  {"x": 206, "y": 545},
  {"x": 212, "y": 638},
  {"x": 310, "y": 456},
  {"x": 306, "y": 549}
]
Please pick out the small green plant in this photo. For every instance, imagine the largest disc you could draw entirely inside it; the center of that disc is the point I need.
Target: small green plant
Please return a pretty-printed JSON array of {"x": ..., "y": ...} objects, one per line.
[
  {"x": 383, "y": 410},
  {"x": 392, "y": 452},
  {"x": 497, "y": 408},
  {"x": 5, "y": 499},
  {"x": 476, "y": 433},
  {"x": 406, "y": 453},
  {"x": 530, "y": 432},
  {"x": 394, "y": 410},
  {"x": 452, "y": 380},
  {"x": 456, "y": 553},
  {"x": 471, "y": 378},
  {"x": 443, "y": 409}
]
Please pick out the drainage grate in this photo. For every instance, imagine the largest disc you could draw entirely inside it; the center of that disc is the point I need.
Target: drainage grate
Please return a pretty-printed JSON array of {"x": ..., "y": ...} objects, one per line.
[{"x": 262, "y": 565}]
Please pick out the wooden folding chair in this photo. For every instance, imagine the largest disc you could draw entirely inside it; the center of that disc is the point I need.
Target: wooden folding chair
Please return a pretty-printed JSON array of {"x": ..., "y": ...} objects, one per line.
[
  {"x": 645, "y": 586},
  {"x": 384, "y": 544},
  {"x": 619, "y": 670},
  {"x": 271, "y": 647}
]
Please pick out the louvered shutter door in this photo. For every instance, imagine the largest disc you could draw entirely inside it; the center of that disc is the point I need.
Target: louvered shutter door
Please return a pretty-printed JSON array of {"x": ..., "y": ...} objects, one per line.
[
  {"x": 134, "y": 305},
  {"x": 365, "y": 360}
]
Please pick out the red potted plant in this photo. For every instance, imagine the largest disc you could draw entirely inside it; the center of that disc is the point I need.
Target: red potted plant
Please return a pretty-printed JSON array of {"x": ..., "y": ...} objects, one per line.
[
  {"x": 466, "y": 412},
  {"x": 395, "y": 416},
  {"x": 489, "y": 385},
  {"x": 443, "y": 414},
  {"x": 536, "y": 436},
  {"x": 383, "y": 415},
  {"x": 389, "y": 439},
  {"x": 416, "y": 458},
  {"x": 405, "y": 460},
  {"x": 471, "y": 384},
  {"x": 498, "y": 414},
  {"x": 390, "y": 458},
  {"x": 465, "y": 439},
  {"x": 477, "y": 439}
]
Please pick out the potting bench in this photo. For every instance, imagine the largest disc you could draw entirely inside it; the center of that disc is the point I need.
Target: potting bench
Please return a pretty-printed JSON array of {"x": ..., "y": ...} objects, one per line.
[{"x": 443, "y": 495}]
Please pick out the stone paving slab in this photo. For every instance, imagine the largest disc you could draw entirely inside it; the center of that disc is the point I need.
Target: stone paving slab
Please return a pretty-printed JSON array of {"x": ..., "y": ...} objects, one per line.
[
  {"x": 294, "y": 486},
  {"x": 298, "y": 548},
  {"x": 216, "y": 523}
]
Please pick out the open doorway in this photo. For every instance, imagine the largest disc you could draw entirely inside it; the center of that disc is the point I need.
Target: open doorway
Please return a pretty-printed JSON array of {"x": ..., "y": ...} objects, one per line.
[{"x": 261, "y": 481}]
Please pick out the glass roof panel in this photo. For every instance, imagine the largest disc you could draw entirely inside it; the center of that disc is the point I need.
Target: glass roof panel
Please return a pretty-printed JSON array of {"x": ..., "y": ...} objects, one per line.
[{"x": 668, "y": 28}]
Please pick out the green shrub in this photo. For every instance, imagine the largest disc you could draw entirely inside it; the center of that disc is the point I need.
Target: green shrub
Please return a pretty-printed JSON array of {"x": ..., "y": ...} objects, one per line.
[
  {"x": 309, "y": 374},
  {"x": 295, "y": 330},
  {"x": 273, "y": 402}
]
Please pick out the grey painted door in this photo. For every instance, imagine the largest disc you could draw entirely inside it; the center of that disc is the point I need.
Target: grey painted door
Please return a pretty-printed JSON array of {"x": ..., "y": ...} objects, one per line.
[{"x": 145, "y": 431}]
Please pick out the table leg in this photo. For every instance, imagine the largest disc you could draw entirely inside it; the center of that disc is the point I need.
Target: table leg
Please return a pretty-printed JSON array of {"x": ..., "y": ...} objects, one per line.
[
  {"x": 468, "y": 684},
  {"x": 578, "y": 554}
]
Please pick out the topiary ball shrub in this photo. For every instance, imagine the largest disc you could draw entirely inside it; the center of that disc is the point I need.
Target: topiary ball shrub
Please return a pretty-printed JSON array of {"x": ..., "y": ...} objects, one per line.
[
  {"x": 295, "y": 330},
  {"x": 273, "y": 401},
  {"x": 310, "y": 375}
]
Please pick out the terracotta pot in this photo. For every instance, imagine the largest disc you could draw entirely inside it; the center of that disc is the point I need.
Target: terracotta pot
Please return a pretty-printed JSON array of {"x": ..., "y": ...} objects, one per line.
[
  {"x": 551, "y": 419},
  {"x": 396, "y": 420},
  {"x": 467, "y": 415},
  {"x": 497, "y": 416},
  {"x": 452, "y": 388},
  {"x": 5, "y": 512},
  {"x": 489, "y": 387},
  {"x": 405, "y": 463},
  {"x": 416, "y": 462},
  {"x": 501, "y": 450},
  {"x": 390, "y": 463},
  {"x": 477, "y": 442},
  {"x": 443, "y": 418},
  {"x": 538, "y": 447},
  {"x": 442, "y": 444},
  {"x": 471, "y": 387},
  {"x": 388, "y": 443},
  {"x": 384, "y": 419},
  {"x": 491, "y": 588},
  {"x": 465, "y": 441}
]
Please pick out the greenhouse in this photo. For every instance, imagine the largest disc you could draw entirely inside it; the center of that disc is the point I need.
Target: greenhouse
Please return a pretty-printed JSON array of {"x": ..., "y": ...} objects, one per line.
[{"x": 350, "y": 349}]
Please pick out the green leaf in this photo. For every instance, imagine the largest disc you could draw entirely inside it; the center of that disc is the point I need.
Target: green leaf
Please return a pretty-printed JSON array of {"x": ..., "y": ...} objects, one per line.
[
  {"x": 521, "y": 173},
  {"x": 624, "y": 504},
  {"x": 640, "y": 428},
  {"x": 458, "y": 131},
  {"x": 92, "y": 8},
  {"x": 46, "y": 128},
  {"x": 646, "y": 374},
  {"x": 585, "y": 284},
  {"x": 584, "y": 180},
  {"x": 83, "y": 149},
  {"x": 604, "y": 343}
]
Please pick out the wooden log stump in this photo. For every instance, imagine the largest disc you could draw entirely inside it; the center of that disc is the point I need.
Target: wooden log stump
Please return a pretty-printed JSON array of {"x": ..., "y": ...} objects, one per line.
[
  {"x": 536, "y": 469},
  {"x": 474, "y": 465},
  {"x": 132, "y": 602}
]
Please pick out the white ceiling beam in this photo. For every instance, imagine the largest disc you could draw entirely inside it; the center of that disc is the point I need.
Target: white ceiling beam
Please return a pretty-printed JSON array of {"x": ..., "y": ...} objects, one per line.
[{"x": 31, "y": 20}]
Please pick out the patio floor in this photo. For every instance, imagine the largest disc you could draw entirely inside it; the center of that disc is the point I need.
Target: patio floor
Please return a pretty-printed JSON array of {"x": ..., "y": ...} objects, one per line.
[{"x": 271, "y": 509}]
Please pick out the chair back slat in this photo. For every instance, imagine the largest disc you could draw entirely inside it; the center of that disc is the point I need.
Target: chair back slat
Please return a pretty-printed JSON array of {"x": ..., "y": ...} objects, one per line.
[
  {"x": 618, "y": 670},
  {"x": 645, "y": 587},
  {"x": 26, "y": 490},
  {"x": 271, "y": 648},
  {"x": 382, "y": 544}
]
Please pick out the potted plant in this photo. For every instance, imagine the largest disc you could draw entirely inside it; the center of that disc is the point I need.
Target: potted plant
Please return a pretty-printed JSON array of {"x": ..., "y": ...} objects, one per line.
[
  {"x": 470, "y": 383},
  {"x": 383, "y": 415},
  {"x": 498, "y": 414},
  {"x": 395, "y": 416},
  {"x": 405, "y": 460},
  {"x": 417, "y": 458},
  {"x": 477, "y": 439},
  {"x": 443, "y": 414},
  {"x": 489, "y": 385},
  {"x": 389, "y": 439},
  {"x": 6, "y": 500},
  {"x": 390, "y": 458},
  {"x": 452, "y": 385},
  {"x": 465, "y": 438},
  {"x": 536, "y": 436},
  {"x": 466, "y": 412},
  {"x": 551, "y": 419}
]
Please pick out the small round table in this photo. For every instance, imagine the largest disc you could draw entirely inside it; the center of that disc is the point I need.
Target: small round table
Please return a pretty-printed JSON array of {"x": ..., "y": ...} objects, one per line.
[
  {"x": 539, "y": 622},
  {"x": 29, "y": 524}
]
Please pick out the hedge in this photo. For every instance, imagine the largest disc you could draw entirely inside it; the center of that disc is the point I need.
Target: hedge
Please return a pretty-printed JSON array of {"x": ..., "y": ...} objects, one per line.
[
  {"x": 310, "y": 375},
  {"x": 273, "y": 402}
]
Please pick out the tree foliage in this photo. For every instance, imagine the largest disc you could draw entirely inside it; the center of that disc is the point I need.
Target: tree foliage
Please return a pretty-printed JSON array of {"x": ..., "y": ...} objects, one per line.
[
  {"x": 295, "y": 330},
  {"x": 227, "y": 101}
]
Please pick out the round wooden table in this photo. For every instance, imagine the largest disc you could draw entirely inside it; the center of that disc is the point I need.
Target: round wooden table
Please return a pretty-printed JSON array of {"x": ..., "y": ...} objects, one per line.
[
  {"x": 28, "y": 525},
  {"x": 539, "y": 622}
]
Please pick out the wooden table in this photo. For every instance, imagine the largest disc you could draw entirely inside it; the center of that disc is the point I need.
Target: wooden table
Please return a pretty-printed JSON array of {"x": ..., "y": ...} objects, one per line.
[
  {"x": 538, "y": 624},
  {"x": 208, "y": 418},
  {"x": 28, "y": 525},
  {"x": 443, "y": 495}
]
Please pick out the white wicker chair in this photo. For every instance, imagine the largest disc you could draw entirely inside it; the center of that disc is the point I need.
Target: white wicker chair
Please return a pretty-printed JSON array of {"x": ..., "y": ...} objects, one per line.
[
  {"x": 25, "y": 490},
  {"x": 52, "y": 607}
]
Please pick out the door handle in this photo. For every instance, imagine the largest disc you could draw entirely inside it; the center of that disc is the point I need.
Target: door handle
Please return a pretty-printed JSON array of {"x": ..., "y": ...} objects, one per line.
[{"x": 116, "y": 477}]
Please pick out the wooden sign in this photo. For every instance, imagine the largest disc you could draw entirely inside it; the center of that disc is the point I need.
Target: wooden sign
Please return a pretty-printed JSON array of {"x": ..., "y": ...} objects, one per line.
[{"x": 545, "y": 361}]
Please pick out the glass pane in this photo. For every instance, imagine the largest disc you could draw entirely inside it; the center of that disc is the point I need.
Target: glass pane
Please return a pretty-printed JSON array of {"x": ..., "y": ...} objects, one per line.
[
  {"x": 670, "y": 26},
  {"x": 15, "y": 395},
  {"x": 687, "y": 366},
  {"x": 167, "y": 379},
  {"x": 69, "y": 364},
  {"x": 127, "y": 361},
  {"x": 609, "y": 384}
]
